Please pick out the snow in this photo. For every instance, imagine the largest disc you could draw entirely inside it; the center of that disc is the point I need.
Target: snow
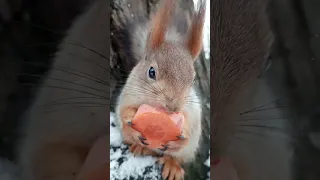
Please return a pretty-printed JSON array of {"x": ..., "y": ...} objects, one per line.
[
  {"x": 115, "y": 135},
  {"x": 123, "y": 164},
  {"x": 207, "y": 163},
  {"x": 133, "y": 167}
]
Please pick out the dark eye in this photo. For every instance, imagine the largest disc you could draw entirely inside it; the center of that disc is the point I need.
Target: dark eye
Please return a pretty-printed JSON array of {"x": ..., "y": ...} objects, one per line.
[{"x": 152, "y": 73}]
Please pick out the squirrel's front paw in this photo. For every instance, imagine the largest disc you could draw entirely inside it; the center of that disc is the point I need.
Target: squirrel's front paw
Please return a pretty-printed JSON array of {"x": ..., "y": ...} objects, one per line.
[
  {"x": 138, "y": 150},
  {"x": 174, "y": 146},
  {"x": 131, "y": 136},
  {"x": 171, "y": 168}
]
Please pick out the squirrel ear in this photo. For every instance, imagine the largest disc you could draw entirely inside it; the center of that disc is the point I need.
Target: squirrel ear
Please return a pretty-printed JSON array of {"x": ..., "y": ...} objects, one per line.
[
  {"x": 195, "y": 33},
  {"x": 160, "y": 23}
]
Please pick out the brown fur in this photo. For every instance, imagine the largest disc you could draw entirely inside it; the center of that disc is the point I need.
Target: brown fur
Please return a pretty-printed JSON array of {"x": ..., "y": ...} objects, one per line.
[
  {"x": 160, "y": 24},
  {"x": 172, "y": 56},
  {"x": 240, "y": 44},
  {"x": 195, "y": 33}
]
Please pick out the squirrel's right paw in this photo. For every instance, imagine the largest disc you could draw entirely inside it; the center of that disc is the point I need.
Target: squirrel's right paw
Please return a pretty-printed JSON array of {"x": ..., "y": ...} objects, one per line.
[
  {"x": 131, "y": 136},
  {"x": 138, "y": 150}
]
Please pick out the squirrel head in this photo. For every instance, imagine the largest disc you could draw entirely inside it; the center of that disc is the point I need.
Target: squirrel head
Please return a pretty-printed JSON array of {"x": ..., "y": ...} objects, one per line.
[{"x": 166, "y": 73}]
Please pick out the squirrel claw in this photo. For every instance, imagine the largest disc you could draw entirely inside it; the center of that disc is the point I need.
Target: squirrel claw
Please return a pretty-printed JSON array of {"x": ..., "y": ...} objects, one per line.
[
  {"x": 142, "y": 139},
  {"x": 130, "y": 123},
  {"x": 160, "y": 154},
  {"x": 181, "y": 137},
  {"x": 144, "y": 143},
  {"x": 165, "y": 147}
]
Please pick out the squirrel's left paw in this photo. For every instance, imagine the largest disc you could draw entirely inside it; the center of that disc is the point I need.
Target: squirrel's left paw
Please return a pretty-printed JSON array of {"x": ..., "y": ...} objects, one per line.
[{"x": 173, "y": 146}]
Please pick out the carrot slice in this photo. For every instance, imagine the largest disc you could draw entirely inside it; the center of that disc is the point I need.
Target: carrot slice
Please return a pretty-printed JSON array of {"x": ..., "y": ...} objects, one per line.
[{"x": 157, "y": 126}]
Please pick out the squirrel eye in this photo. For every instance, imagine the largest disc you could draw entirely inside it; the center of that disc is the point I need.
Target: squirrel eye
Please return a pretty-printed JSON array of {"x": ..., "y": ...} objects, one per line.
[{"x": 152, "y": 73}]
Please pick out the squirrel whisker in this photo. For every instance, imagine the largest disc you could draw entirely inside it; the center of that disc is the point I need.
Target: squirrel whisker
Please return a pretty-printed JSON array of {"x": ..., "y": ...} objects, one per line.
[
  {"x": 76, "y": 106},
  {"x": 64, "y": 81},
  {"x": 66, "y": 89},
  {"x": 248, "y": 133},
  {"x": 74, "y": 98},
  {"x": 265, "y": 109},
  {"x": 262, "y": 119},
  {"x": 83, "y": 75},
  {"x": 272, "y": 128}
]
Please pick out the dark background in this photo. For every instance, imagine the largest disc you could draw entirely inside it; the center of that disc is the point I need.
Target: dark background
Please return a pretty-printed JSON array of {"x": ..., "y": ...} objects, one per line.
[{"x": 31, "y": 29}]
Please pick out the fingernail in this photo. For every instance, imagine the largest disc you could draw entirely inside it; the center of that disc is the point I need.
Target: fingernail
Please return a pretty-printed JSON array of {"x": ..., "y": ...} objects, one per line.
[{"x": 181, "y": 137}]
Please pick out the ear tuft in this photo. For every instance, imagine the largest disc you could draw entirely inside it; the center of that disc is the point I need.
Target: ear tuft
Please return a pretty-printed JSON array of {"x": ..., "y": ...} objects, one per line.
[
  {"x": 195, "y": 34},
  {"x": 160, "y": 23}
]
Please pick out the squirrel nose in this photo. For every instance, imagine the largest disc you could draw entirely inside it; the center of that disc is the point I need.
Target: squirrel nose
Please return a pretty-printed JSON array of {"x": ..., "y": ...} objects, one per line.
[
  {"x": 172, "y": 107},
  {"x": 173, "y": 104}
]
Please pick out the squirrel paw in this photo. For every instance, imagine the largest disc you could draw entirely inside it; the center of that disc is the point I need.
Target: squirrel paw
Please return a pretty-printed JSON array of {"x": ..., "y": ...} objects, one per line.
[
  {"x": 171, "y": 168},
  {"x": 138, "y": 150},
  {"x": 131, "y": 136},
  {"x": 174, "y": 146}
]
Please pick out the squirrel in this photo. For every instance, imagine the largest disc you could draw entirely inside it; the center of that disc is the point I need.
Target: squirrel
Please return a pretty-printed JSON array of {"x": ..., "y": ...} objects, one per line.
[
  {"x": 240, "y": 45},
  {"x": 165, "y": 54},
  {"x": 71, "y": 108}
]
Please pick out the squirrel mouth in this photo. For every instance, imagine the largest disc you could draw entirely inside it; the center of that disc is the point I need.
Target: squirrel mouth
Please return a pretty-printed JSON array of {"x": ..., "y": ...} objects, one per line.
[
  {"x": 177, "y": 117},
  {"x": 163, "y": 109}
]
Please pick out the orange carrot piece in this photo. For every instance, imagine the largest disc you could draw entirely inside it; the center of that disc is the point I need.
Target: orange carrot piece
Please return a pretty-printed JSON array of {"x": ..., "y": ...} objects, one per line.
[{"x": 157, "y": 126}]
